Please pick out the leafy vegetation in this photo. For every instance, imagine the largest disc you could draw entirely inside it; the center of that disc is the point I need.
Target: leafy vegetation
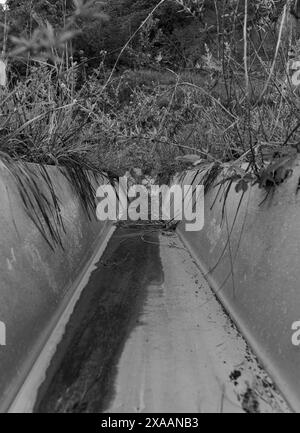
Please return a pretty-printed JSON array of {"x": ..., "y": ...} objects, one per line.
[{"x": 207, "y": 78}]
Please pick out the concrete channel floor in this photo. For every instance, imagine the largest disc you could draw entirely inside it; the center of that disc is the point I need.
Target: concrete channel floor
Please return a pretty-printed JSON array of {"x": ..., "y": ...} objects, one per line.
[{"x": 148, "y": 335}]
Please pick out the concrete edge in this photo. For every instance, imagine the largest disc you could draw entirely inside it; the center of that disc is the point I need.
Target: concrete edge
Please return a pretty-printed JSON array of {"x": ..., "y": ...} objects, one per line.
[
  {"x": 263, "y": 359},
  {"x": 25, "y": 399}
]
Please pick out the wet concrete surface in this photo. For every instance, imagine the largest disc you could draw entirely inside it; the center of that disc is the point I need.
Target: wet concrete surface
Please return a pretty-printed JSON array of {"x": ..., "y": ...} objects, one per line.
[
  {"x": 148, "y": 335},
  {"x": 81, "y": 376}
]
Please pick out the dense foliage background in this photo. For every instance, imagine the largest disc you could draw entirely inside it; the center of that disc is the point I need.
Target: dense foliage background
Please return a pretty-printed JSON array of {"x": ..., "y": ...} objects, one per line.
[
  {"x": 175, "y": 36},
  {"x": 140, "y": 83}
]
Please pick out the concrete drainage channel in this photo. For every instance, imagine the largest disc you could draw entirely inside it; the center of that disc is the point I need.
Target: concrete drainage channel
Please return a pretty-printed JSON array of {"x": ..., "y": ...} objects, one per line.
[
  {"x": 148, "y": 335},
  {"x": 137, "y": 329}
]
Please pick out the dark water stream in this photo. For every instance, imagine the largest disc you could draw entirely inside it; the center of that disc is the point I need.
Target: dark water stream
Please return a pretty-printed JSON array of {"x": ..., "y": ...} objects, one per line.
[{"x": 81, "y": 376}]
